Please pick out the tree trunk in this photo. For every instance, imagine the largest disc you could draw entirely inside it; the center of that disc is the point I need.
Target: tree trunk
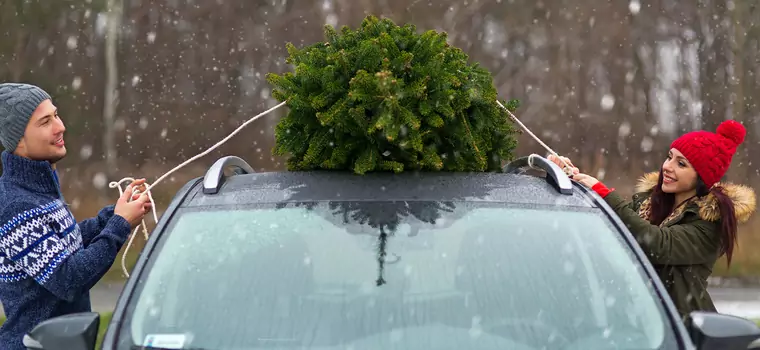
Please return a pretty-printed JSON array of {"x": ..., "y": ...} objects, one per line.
[
  {"x": 111, "y": 93},
  {"x": 738, "y": 172}
]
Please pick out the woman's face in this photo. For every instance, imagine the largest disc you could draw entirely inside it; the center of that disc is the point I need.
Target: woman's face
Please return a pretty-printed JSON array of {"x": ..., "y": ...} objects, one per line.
[{"x": 677, "y": 174}]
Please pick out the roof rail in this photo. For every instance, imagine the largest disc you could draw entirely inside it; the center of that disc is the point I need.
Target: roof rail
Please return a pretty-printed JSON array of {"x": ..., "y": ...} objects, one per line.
[
  {"x": 554, "y": 174},
  {"x": 214, "y": 177}
]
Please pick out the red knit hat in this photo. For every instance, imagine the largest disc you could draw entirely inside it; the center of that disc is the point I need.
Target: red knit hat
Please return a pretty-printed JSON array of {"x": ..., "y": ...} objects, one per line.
[{"x": 710, "y": 153}]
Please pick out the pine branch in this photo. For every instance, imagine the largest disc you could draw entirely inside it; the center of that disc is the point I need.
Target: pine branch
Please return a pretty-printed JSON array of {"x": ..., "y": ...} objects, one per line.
[{"x": 386, "y": 98}]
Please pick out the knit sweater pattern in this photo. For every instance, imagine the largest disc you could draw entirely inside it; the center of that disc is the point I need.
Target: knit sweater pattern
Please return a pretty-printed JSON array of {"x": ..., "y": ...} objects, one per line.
[{"x": 48, "y": 261}]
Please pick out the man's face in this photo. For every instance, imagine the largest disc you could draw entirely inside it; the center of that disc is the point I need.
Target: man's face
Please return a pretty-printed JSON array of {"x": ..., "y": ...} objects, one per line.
[{"x": 43, "y": 138}]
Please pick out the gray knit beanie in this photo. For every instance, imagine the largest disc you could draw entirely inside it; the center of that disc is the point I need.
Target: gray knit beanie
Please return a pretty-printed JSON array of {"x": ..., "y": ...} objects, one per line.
[{"x": 17, "y": 104}]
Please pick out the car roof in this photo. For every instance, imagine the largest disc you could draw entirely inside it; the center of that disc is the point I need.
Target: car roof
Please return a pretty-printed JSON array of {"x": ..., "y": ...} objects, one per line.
[{"x": 310, "y": 186}]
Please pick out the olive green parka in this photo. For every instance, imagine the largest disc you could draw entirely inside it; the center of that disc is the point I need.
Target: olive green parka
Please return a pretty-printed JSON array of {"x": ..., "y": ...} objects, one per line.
[{"x": 686, "y": 246}]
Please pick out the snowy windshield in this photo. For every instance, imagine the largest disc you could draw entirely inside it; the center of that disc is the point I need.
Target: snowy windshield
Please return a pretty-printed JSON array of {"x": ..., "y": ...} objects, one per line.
[{"x": 409, "y": 275}]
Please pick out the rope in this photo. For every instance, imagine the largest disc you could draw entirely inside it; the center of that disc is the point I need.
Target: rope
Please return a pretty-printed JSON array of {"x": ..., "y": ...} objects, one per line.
[
  {"x": 531, "y": 157},
  {"x": 567, "y": 169},
  {"x": 117, "y": 184},
  {"x": 142, "y": 224}
]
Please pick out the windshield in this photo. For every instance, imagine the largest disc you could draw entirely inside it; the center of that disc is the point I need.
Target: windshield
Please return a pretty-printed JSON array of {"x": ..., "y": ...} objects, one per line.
[{"x": 407, "y": 275}]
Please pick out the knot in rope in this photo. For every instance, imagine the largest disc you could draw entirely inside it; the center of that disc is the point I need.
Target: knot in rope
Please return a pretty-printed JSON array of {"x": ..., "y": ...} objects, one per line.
[{"x": 117, "y": 184}]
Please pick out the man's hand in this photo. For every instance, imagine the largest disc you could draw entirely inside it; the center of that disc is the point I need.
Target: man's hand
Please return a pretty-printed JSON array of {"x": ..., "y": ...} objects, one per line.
[
  {"x": 135, "y": 210},
  {"x": 138, "y": 185}
]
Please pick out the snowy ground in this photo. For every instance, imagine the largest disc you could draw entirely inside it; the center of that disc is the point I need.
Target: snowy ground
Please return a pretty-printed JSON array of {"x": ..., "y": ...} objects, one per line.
[{"x": 743, "y": 302}]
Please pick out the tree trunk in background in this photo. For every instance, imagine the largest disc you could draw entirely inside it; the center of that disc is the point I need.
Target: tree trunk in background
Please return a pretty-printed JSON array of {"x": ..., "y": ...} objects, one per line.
[
  {"x": 713, "y": 64},
  {"x": 752, "y": 81},
  {"x": 114, "y": 11},
  {"x": 739, "y": 168}
]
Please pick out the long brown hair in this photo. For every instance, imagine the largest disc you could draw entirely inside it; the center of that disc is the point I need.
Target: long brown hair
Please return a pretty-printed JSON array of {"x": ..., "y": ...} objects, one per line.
[{"x": 661, "y": 205}]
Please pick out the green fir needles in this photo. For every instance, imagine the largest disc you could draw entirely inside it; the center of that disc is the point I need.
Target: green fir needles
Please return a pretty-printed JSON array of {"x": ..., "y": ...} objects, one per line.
[{"x": 384, "y": 98}]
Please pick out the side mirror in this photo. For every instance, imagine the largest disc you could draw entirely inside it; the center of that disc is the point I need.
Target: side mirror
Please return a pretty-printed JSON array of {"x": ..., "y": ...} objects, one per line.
[
  {"x": 710, "y": 330},
  {"x": 71, "y": 332}
]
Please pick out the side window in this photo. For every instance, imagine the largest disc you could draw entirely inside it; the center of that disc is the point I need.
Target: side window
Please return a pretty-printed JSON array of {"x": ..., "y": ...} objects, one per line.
[{"x": 626, "y": 297}]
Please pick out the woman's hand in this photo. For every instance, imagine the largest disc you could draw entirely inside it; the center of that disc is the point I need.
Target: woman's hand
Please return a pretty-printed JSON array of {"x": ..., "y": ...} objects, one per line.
[
  {"x": 561, "y": 164},
  {"x": 586, "y": 180}
]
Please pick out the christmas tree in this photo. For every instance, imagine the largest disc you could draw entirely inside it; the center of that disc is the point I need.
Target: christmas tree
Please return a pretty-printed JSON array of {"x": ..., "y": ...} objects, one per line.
[{"x": 385, "y": 98}]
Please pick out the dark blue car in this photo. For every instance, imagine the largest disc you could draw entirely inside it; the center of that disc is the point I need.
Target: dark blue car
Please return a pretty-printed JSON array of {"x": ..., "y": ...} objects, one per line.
[{"x": 523, "y": 259}]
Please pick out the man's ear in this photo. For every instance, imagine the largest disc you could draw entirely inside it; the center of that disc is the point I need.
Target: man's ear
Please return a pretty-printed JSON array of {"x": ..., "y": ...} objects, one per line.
[{"x": 20, "y": 148}]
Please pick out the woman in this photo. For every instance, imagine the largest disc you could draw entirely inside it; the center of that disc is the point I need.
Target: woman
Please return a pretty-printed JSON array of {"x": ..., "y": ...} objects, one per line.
[{"x": 682, "y": 216}]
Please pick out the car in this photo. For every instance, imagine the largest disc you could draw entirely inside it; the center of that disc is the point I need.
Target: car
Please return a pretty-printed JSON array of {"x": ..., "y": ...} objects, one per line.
[{"x": 523, "y": 259}]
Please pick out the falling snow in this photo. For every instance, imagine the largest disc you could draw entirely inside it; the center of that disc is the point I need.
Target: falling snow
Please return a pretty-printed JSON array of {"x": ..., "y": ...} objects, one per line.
[
  {"x": 608, "y": 101},
  {"x": 634, "y": 6},
  {"x": 71, "y": 42},
  {"x": 76, "y": 83},
  {"x": 608, "y": 85},
  {"x": 100, "y": 180},
  {"x": 85, "y": 152}
]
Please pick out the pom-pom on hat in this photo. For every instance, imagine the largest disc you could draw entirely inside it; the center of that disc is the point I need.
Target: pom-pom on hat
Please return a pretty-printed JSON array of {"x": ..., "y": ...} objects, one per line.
[{"x": 710, "y": 153}]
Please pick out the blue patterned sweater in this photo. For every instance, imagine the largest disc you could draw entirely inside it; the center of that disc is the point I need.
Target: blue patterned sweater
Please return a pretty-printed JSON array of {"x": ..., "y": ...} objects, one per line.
[{"x": 48, "y": 261}]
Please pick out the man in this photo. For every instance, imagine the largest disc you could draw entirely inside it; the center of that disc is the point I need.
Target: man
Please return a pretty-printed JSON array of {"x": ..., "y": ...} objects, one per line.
[{"x": 48, "y": 262}]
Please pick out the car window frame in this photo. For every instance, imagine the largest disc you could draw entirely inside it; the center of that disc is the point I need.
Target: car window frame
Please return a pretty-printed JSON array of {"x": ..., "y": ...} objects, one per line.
[
  {"x": 162, "y": 231},
  {"x": 675, "y": 322}
]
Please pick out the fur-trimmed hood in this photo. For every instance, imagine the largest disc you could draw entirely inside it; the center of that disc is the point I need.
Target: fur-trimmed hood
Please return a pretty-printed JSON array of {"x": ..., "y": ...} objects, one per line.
[{"x": 742, "y": 196}]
